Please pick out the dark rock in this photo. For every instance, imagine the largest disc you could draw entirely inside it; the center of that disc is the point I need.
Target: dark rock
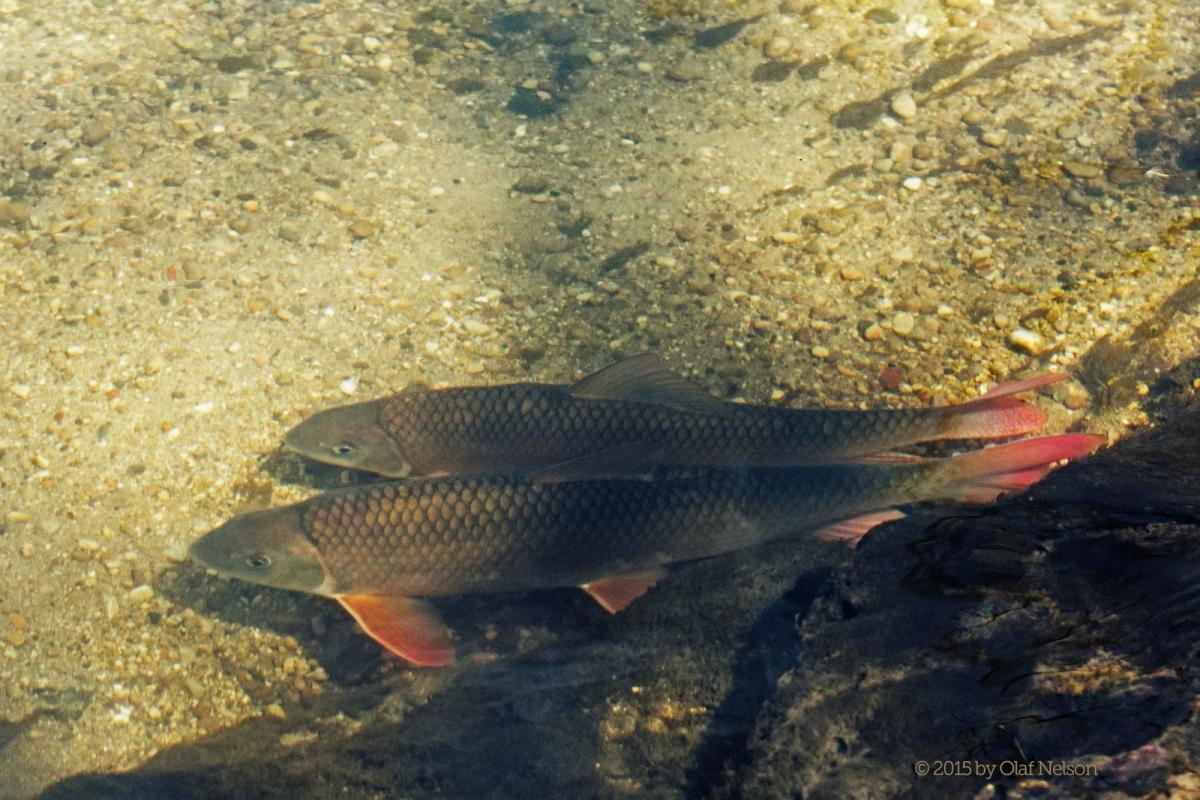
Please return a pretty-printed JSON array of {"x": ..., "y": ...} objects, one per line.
[{"x": 1052, "y": 629}]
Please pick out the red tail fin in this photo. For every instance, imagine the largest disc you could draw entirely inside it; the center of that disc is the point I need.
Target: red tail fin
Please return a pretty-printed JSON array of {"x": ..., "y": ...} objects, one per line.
[
  {"x": 983, "y": 475},
  {"x": 997, "y": 413}
]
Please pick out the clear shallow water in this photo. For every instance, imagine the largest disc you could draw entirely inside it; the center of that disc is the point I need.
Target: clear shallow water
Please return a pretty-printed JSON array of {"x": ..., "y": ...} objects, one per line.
[{"x": 218, "y": 219}]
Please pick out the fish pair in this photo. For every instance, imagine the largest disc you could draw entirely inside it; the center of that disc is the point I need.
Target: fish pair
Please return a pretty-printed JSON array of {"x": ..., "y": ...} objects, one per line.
[{"x": 600, "y": 485}]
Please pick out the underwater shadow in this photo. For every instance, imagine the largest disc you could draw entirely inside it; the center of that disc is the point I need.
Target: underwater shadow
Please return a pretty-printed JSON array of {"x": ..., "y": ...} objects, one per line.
[
  {"x": 770, "y": 648},
  {"x": 1059, "y": 625}
]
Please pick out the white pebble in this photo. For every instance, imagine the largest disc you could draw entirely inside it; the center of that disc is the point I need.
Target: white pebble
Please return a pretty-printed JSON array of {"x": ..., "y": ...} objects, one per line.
[
  {"x": 176, "y": 552},
  {"x": 348, "y": 385},
  {"x": 903, "y": 323},
  {"x": 913, "y": 184},
  {"x": 1027, "y": 341},
  {"x": 903, "y": 106},
  {"x": 475, "y": 327}
]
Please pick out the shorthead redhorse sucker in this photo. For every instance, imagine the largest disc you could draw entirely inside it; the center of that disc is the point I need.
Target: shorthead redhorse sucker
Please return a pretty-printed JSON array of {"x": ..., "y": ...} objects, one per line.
[
  {"x": 637, "y": 403},
  {"x": 378, "y": 548}
]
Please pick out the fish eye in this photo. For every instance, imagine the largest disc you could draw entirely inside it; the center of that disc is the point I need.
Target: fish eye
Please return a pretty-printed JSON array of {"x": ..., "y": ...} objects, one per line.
[
  {"x": 344, "y": 448},
  {"x": 258, "y": 560}
]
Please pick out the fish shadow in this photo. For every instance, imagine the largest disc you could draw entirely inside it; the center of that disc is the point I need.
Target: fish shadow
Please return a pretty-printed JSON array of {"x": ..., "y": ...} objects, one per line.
[{"x": 770, "y": 649}]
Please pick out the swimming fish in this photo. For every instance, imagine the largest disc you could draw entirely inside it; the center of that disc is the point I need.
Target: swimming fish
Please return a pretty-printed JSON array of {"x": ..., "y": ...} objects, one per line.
[
  {"x": 637, "y": 402},
  {"x": 378, "y": 548}
]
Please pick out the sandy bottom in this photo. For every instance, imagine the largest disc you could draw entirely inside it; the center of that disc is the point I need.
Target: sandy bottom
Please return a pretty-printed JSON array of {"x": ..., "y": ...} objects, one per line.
[{"x": 216, "y": 218}]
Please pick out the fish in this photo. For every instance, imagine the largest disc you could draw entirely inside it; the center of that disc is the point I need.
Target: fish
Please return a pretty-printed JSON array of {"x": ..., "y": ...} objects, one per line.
[
  {"x": 382, "y": 549},
  {"x": 638, "y": 403}
]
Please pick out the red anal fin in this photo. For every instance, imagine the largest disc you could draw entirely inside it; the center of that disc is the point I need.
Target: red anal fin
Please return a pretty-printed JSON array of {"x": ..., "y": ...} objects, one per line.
[
  {"x": 618, "y": 591},
  {"x": 407, "y": 627},
  {"x": 852, "y": 530}
]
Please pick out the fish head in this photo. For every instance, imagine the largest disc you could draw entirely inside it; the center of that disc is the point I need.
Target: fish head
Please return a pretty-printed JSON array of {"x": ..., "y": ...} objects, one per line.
[
  {"x": 266, "y": 547},
  {"x": 350, "y": 436}
]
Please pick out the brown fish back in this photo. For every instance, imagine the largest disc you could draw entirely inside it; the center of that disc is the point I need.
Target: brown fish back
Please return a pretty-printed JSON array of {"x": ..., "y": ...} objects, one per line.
[{"x": 526, "y": 425}]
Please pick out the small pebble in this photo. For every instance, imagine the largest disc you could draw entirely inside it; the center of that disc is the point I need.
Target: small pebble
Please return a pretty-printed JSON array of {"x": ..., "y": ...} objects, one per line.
[
  {"x": 140, "y": 594},
  {"x": 275, "y": 710},
  {"x": 1077, "y": 169},
  {"x": 14, "y": 213},
  {"x": 913, "y": 183},
  {"x": 348, "y": 386},
  {"x": 21, "y": 390},
  {"x": 1125, "y": 175},
  {"x": 903, "y": 323},
  {"x": 1068, "y": 131},
  {"x": 778, "y": 47},
  {"x": 785, "y": 237},
  {"x": 903, "y": 106},
  {"x": 362, "y": 229},
  {"x": 820, "y": 352},
  {"x": 1027, "y": 341},
  {"x": 475, "y": 327},
  {"x": 851, "y": 274},
  {"x": 873, "y": 332},
  {"x": 994, "y": 138},
  {"x": 891, "y": 377},
  {"x": 176, "y": 552}
]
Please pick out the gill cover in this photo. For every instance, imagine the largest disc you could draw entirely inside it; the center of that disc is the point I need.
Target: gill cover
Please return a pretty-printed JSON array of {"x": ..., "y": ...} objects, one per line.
[
  {"x": 349, "y": 436},
  {"x": 266, "y": 547}
]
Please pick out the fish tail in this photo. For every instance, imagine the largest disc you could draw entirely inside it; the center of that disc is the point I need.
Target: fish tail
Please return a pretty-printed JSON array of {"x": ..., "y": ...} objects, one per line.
[
  {"x": 983, "y": 475},
  {"x": 997, "y": 414}
]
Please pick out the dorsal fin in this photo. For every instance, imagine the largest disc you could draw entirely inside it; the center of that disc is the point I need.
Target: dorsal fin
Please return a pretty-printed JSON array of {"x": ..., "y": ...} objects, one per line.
[
  {"x": 646, "y": 379},
  {"x": 618, "y": 591}
]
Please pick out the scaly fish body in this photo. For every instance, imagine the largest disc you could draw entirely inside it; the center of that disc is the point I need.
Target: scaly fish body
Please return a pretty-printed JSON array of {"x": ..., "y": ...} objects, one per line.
[
  {"x": 636, "y": 403},
  {"x": 377, "y": 546},
  {"x": 460, "y": 535}
]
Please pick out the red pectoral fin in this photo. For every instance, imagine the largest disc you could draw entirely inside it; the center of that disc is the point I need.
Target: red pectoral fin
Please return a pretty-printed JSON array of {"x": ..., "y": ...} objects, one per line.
[
  {"x": 409, "y": 628},
  {"x": 618, "y": 591}
]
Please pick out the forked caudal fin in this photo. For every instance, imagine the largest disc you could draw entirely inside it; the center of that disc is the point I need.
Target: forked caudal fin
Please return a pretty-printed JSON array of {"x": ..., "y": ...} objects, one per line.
[
  {"x": 983, "y": 475},
  {"x": 997, "y": 413}
]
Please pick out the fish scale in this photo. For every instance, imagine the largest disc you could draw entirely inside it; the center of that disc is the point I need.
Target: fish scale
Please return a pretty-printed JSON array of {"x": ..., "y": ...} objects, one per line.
[
  {"x": 537, "y": 424},
  {"x": 439, "y": 536}
]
